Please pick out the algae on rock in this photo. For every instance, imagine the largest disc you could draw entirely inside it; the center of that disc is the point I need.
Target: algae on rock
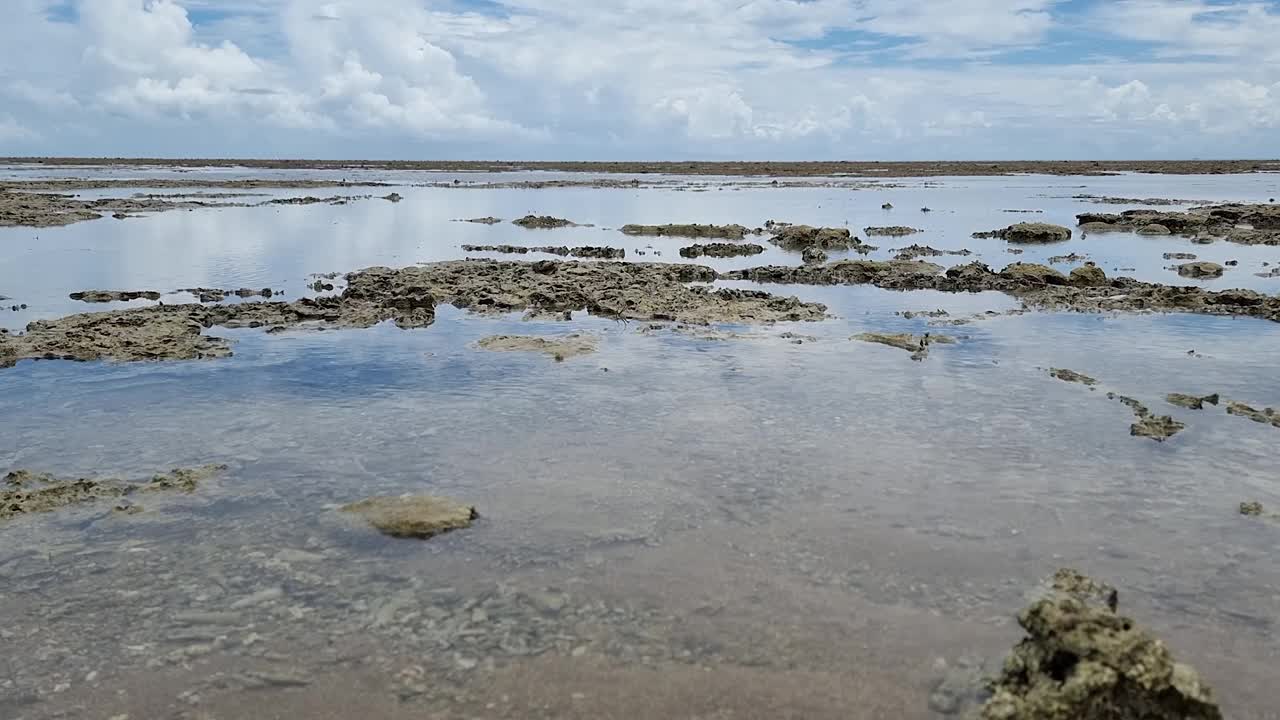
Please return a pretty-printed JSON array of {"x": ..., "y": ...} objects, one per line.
[
  {"x": 420, "y": 516},
  {"x": 27, "y": 492},
  {"x": 559, "y": 348},
  {"x": 1072, "y": 376},
  {"x": 1192, "y": 402},
  {"x": 1081, "y": 660}
]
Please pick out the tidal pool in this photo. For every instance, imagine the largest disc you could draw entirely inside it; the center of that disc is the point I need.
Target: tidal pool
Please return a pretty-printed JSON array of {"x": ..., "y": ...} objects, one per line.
[{"x": 688, "y": 522}]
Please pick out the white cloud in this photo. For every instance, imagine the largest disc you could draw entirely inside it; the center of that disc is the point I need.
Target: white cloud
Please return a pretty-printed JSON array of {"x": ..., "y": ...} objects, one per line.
[
  {"x": 1195, "y": 27},
  {"x": 546, "y": 78},
  {"x": 372, "y": 63},
  {"x": 947, "y": 28}
]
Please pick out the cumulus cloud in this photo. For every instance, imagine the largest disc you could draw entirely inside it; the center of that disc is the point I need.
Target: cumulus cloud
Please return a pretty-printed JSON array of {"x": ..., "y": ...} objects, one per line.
[
  {"x": 1196, "y": 27},
  {"x": 645, "y": 78}
]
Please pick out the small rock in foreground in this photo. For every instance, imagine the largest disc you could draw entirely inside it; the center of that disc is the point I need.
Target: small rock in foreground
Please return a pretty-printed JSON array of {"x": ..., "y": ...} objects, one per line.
[
  {"x": 413, "y": 516},
  {"x": 1081, "y": 660}
]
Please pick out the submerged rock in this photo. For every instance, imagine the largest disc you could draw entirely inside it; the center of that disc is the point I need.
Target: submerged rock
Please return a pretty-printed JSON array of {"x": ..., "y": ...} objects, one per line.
[
  {"x": 917, "y": 345},
  {"x": 27, "y": 492},
  {"x": 1031, "y": 232},
  {"x": 721, "y": 250},
  {"x": 1251, "y": 509},
  {"x": 1148, "y": 424},
  {"x": 483, "y": 220},
  {"x": 1179, "y": 256},
  {"x": 1072, "y": 376},
  {"x": 1267, "y": 416},
  {"x": 559, "y": 348},
  {"x": 1069, "y": 258},
  {"x": 210, "y": 295},
  {"x": 1081, "y": 660},
  {"x": 1156, "y": 427},
  {"x": 420, "y": 516},
  {"x": 733, "y": 232},
  {"x": 1192, "y": 402},
  {"x": 102, "y": 296}
]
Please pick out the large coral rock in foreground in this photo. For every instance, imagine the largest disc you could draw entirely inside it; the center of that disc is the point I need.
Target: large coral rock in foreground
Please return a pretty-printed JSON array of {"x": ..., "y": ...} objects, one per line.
[{"x": 1081, "y": 660}]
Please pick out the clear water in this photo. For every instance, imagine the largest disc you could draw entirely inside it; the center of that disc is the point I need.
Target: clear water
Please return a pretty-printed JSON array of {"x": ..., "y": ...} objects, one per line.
[{"x": 674, "y": 526}]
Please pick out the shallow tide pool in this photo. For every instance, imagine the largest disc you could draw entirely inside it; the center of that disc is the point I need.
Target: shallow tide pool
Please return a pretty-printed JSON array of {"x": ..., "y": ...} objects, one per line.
[{"x": 695, "y": 523}]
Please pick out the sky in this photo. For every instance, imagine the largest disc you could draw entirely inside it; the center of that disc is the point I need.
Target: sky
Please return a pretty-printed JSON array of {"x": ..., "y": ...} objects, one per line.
[{"x": 642, "y": 79}]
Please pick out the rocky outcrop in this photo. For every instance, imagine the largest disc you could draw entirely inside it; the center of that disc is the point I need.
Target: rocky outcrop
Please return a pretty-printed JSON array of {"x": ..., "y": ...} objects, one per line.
[
  {"x": 1029, "y": 233},
  {"x": 102, "y": 296},
  {"x": 585, "y": 251},
  {"x": 1201, "y": 269},
  {"x": 1248, "y": 224},
  {"x": 23, "y": 492},
  {"x": 802, "y": 237},
  {"x": 407, "y": 297},
  {"x": 543, "y": 222},
  {"x": 721, "y": 250},
  {"x": 891, "y": 230},
  {"x": 693, "y": 230},
  {"x": 1082, "y": 660}
]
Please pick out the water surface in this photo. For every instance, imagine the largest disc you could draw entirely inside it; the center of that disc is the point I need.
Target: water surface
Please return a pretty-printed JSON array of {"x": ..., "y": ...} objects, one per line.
[{"x": 675, "y": 526}]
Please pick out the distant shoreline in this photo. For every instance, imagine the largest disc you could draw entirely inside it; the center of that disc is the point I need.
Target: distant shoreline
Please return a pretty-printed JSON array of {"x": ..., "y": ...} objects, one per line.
[{"x": 863, "y": 169}]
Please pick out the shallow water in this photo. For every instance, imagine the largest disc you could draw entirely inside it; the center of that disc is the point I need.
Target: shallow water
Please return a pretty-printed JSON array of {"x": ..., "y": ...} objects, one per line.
[{"x": 675, "y": 526}]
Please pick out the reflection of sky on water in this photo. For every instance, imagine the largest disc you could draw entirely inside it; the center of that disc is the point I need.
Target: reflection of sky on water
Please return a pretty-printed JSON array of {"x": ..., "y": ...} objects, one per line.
[
  {"x": 280, "y": 246},
  {"x": 983, "y": 409}
]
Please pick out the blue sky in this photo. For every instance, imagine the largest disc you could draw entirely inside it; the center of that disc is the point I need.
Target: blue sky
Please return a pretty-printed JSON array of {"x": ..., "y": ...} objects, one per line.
[{"x": 642, "y": 79}]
